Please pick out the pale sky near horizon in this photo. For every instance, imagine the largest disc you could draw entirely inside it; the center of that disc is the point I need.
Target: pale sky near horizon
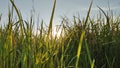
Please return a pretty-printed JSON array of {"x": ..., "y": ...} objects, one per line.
[{"x": 63, "y": 7}]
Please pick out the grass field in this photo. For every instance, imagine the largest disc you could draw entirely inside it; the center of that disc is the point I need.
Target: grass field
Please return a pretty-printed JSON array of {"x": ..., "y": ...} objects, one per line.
[{"x": 88, "y": 43}]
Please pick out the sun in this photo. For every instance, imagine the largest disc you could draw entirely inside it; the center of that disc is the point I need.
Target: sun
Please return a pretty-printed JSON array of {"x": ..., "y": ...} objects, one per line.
[{"x": 57, "y": 32}]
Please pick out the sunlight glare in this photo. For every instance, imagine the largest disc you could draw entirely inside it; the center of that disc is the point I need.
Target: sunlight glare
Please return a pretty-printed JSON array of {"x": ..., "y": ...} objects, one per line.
[{"x": 57, "y": 32}]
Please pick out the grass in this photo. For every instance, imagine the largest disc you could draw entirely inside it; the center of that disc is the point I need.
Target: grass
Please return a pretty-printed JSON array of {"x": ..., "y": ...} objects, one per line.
[{"x": 86, "y": 43}]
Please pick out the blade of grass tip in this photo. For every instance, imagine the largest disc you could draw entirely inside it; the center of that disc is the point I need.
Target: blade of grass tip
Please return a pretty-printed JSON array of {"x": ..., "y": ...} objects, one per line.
[
  {"x": 107, "y": 18},
  {"x": 82, "y": 36},
  {"x": 88, "y": 14},
  {"x": 12, "y": 10},
  {"x": 50, "y": 31},
  {"x": 13, "y": 4},
  {"x": 50, "y": 24},
  {"x": 21, "y": 27},
  {"x": 79, "y": 48},
  {"x": 51, "y": 19},
  {"x": 19, "y": 15}
]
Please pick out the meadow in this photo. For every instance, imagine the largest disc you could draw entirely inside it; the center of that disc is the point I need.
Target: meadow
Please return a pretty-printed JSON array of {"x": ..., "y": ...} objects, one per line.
[{"x": 87, "y": 43}]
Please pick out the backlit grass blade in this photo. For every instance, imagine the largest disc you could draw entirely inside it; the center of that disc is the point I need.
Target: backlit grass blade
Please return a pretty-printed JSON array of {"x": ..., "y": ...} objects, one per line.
[
  {"x": 82, "y": 36},
  {"x": 18, "y": 14},
  {"x": 88, "y": 13},
  {"x": 16, "y": 9},
  {"x": 93, "y": 64},
  {"x": 49, "y": 35},
  {"x": 51, "y": 19},
  {"x": 79, "y": 48}
]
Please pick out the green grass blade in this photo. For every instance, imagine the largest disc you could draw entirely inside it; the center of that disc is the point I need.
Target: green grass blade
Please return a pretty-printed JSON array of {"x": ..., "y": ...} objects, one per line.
[
  {"x": 51, "y": 19},
  {"x": 79, "y": 48},
  {"x": 107, "y": 60},
  {"x": 107, "y": 18},
  {"x": 50, "y": 25},
  {"x": 18, "y": 14},
  {"x": 93, "y": 64},
  {"x": 89, "y": 56},
  {"x": 87, "y": 17}
]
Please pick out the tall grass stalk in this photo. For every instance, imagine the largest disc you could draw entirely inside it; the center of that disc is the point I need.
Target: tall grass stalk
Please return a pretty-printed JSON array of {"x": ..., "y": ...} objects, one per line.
[
  {"x": 79, "y": 48},
  {"x": 82, "y": 36}
]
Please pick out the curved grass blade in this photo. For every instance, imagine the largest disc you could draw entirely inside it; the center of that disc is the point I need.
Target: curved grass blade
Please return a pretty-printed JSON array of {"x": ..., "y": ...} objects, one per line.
[
  {"x": 18, "y": 14},
  {"x": 107, "y": 18}
]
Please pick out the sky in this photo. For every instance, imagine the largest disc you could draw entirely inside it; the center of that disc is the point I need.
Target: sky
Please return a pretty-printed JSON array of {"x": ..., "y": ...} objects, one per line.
[{"x": 69, "y": 8}]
